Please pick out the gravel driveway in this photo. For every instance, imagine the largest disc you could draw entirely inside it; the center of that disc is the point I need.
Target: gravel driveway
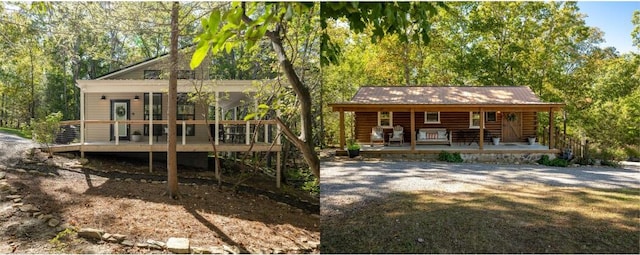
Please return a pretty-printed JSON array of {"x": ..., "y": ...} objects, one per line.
[
  {"x": 12, "y": 147},
  {"x": 354, "y": 182}
]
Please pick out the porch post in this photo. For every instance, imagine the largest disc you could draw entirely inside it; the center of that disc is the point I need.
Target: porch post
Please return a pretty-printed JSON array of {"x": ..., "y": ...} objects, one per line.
[
  {"x": 342, "y": 141},
  {"x": 481, "y": 138},
  {"x": 551, "y": 128},
  {"x": 413, "y": 129},
  {"x": 278, "y": 169},
  {"x": 217, "y": 121},
  {"x": 150, "y": 123},
  {"x": 81, "y": 123}
]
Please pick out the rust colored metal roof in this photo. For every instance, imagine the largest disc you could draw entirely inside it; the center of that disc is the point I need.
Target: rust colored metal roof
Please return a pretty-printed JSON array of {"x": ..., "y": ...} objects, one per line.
[{"x": 445, "y": 95}]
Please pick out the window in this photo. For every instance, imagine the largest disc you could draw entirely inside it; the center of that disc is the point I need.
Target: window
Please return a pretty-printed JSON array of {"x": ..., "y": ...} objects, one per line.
[
  {"x": 385, "y": 119},
  {"x": 156, "y": 113},
  {"x": 432, "y": 117},
  {"x": 187, "y": 74},
  {"x": 151, "y": 74},
  {"x": 490, "y": 116},
  {"x": 474, "y": 119},
  {"x": 186, "y": 111}
]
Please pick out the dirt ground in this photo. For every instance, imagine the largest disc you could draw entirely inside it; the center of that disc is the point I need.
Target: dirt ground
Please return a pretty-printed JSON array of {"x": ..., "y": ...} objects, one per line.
[{"x": 121, "y": 197}]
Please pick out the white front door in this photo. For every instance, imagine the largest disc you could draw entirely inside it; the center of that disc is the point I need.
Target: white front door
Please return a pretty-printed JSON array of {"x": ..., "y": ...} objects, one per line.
[{"x": 119, "y": 112}]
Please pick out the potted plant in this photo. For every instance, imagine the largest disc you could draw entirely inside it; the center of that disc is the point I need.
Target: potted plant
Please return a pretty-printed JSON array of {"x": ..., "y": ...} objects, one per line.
[
  {"x": 136, "y": 136},
  {"x": 532, "y": 140},
  {"x": 353, "y": 148},
  {"x": 496, "y": 140}
]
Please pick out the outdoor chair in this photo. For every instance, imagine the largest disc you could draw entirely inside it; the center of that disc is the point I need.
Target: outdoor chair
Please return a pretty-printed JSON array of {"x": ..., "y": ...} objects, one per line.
[
  {"x": 377, "y": 135},
  {"x": 397, "y": 135}
]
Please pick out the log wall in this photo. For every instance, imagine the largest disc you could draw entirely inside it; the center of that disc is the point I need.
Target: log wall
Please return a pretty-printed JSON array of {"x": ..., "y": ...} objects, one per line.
[{"x": 452, "y": 121}]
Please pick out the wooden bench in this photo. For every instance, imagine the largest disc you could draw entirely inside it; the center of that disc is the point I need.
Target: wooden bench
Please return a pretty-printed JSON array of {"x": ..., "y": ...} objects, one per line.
[{"x": 433, "y": 136}]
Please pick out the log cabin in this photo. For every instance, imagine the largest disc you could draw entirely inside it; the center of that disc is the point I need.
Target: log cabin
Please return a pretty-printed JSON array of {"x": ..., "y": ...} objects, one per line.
[{"x": 453, "y": 118}]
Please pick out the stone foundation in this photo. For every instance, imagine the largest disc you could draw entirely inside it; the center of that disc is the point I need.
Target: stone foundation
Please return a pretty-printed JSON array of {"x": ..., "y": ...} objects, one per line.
[{"x": 510, "y": 158}]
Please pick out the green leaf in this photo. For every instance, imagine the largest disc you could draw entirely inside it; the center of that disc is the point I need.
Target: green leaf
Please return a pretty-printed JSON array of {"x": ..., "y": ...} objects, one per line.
[
  {"x": 289, "y": 14},
  {"x": 214, "y": 21},
  {"x": 250, "y": 116},
  {"x": 199, "y": 55}
]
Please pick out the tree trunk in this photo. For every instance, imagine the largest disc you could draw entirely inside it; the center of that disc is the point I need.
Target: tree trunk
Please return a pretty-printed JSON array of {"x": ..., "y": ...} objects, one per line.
[
  {"x": 172, "y": 162},
  {"x": 305, "y": 141}
]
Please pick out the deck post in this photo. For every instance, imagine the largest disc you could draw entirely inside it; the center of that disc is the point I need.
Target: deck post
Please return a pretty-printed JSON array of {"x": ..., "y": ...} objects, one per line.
[
  {"x": 184, "y": 133},
  {"x": 413, "y": 129},
  {"x": 278, "y": 169},
  {"x": 150, "y": 161},
  {"x": 150, "y": 121},
  {"x": 551, "y": 128},
  {"x": 247, "y": 133},
  {"x": 481, "y": 138},
  {"x": 342, "y": 140},
  {"x": 217, "y": 120},
  {"x": 82, "y": 124},
  {"x": 116, "y": 133},
  {"x": 278, "y": 130}
]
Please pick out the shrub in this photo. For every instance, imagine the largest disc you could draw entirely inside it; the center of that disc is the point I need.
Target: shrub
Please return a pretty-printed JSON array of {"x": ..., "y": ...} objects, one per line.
[
  {"x": 584, "y": 161},
  {"x": 352, "y": 145},
  {"x": 544, "y": 160},
  {"x": 611, "y": 163},
  {"x": 450, "y": 157}
]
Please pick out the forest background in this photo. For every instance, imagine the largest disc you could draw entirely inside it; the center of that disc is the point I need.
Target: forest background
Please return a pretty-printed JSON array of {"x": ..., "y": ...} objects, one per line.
[{"x": 544, "y": 45}]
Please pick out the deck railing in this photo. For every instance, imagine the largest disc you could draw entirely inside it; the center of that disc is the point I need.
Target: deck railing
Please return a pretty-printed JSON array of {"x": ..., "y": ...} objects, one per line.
[
  {"x": 228, "y": 131},
  {"x": 579, "y": 147}
]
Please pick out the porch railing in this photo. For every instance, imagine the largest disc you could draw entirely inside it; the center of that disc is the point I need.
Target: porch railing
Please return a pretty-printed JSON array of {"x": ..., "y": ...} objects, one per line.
[
  {"x": 579, "y": 147},
  {"x": 228, "y": 131}
]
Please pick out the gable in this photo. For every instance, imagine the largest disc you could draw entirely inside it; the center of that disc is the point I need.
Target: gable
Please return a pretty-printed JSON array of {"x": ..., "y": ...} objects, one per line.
[{"x": 161, "y": 63}]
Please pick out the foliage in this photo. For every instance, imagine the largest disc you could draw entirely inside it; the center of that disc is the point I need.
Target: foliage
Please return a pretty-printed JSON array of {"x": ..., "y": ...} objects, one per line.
[
  {"x": 136, "y": 132},
  {"x": 45, "y": 130},
  {"x": 450, "y": 157},
  {"x": 611, "y": 163},
  {"x": 59, "y": 241},
  {"x": 19, "y": 132},
  {"x": 544, "y": 160},
  {"x": 352, "y": 145},
  {"x": 584, "y": 161}
]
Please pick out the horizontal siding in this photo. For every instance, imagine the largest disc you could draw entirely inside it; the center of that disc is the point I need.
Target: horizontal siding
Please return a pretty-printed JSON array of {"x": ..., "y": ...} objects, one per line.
[
  {"x": 97, "y": 109},
  {"x": 452, "y": 121}
]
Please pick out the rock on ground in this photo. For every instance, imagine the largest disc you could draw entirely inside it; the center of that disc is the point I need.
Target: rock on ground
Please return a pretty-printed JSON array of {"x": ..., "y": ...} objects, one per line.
[
  {"x": 91, "y": 233},
  {"x": 178, "y": 245}
]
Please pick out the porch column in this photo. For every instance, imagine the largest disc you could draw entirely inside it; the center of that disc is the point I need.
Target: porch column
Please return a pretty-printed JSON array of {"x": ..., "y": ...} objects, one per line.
[
  {"x": 150, "y": 121},
  {"x": 413, "y": 129},
  {"x": 481, "y": 138},
  {"x": 278, "y": 169},
  {"x": 81, "y": 123},
  {"x": 551, "y": 128},
  {"x": 217, "y": 121},
  {"x": 342, "y": 140}
]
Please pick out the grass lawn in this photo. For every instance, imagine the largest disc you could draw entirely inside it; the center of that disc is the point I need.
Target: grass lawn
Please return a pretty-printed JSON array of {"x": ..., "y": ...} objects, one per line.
[
  {"x": 532, "y": 219},
  {"x": 17, "y": 132}
]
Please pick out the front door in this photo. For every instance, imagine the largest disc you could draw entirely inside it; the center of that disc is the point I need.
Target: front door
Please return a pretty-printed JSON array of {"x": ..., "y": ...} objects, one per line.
[
  {"x": 512, "y": 126},
  {"x": 120, "y": 112}
]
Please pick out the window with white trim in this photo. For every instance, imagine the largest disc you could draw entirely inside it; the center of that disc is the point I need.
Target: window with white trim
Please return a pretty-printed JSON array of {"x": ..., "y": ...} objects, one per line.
[
  {"x": 385, "y": 119},
  {"x": 432, "y": 117},
  {"x": 474, "y": 119}
]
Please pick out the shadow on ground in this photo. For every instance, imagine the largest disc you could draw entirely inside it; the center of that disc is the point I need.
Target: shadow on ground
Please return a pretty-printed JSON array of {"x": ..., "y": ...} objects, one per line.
[{"x": 540, "y": 219}]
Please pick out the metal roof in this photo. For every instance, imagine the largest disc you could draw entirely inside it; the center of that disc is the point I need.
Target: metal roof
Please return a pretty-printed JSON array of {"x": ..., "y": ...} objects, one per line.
[{"x": 445, "y": 95}]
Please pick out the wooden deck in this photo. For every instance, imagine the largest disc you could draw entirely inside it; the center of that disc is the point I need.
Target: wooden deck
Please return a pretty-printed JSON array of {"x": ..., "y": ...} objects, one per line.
[{"x": 128, "y": 146}]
